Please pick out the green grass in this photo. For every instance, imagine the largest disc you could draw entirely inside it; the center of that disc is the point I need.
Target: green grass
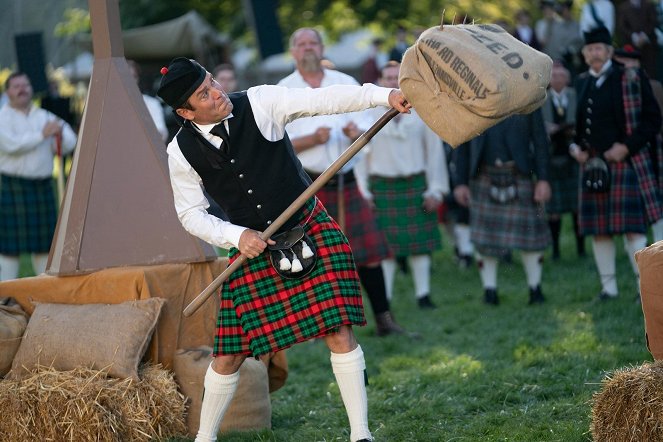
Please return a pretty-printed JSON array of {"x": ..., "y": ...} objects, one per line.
[{"x": 480, "y": 373}]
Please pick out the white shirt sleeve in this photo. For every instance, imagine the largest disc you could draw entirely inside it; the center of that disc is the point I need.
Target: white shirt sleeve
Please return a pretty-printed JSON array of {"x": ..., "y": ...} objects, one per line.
[
  {"x": 191, "y": 204},
  {"x": 437, "y": 175}
]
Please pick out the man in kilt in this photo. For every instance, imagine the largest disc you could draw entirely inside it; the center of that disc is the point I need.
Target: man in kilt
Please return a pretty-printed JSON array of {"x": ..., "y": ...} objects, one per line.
[
  {"x": 405, "y": 189},
  {"x": 559, "y": 115},
  {"x": 29, "y": 137},
  {"x": 502, "y": 177},
  {"x": 617, "y": 121},
  {"x": 236, "y": 148},
  {"x": 318, "y": 141}
]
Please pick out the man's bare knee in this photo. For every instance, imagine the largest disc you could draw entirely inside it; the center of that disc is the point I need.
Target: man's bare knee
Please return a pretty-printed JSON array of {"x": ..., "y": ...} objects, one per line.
[
  {"x": 343, "y": 341},
  {"x": 227, "y": 364}
]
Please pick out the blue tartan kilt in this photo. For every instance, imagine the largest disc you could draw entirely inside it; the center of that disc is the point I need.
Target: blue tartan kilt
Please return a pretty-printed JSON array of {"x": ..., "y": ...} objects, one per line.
[
  {"x": 520, "y": 224},
  {"x": 620, "y": 210},
  {"x": 28, "y": 213}
]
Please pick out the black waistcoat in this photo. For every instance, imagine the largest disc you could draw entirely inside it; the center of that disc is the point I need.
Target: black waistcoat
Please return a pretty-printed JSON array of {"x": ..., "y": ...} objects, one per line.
[
  {"x": 597, "y": 125},
  {"x": 256, "y": 180}
]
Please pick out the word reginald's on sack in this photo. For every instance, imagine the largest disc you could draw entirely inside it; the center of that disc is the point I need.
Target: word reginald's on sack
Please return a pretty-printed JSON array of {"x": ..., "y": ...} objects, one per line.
[{"x": 463, "y": 79}]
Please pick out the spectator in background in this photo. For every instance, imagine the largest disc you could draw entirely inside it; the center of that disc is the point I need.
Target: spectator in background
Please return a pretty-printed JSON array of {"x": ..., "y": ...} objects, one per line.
[
  {"x": 559, "y": 116},
  {"x": 636, "y": 25},
  {"x": 28, "y": 209},
  {"x": 596, "y": 14},
  {"x": 370, "y": 70},
  {"x": 405, "y": 190},
  {"x": 153, "y": 105},
  {"x": 401, "y": 45},
  {"x": 544, "y": 26},
  {"x": 225, "y": 75},
  {"x": 523, "y": 29},
  {"x": 318, "y": 141},
  {"x": 58, "y": 105},
  {"x": 605, "y": 132},
  {"x": 502, "y": 176},
  {"x": 565, "y": 39}
]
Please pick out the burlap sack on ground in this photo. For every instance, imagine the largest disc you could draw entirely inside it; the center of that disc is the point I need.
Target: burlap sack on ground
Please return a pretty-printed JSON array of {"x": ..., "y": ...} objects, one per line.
[
  {"x": 251, "y": 407},
  {"x": 13, "y": 321},
  {"x": 108, "y": 337},
  {"x": 463, "y": 79},
  {"x": 650, "y": 266}
]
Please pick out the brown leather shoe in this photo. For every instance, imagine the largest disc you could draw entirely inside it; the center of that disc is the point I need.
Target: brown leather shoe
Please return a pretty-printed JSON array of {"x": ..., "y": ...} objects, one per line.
[{"x": 387, "y": 325}]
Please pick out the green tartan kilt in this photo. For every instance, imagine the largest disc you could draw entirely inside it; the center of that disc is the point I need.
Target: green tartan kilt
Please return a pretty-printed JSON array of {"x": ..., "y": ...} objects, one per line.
[
  {"x": 409, "y": 229},
  {"x": 262, "y": 312}
]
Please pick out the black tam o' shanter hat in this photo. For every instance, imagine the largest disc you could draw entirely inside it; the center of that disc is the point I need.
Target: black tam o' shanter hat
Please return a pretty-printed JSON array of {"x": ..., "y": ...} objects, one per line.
[
  {"x": 179, "y": 80},
  {"x": 598, "y": 35}
]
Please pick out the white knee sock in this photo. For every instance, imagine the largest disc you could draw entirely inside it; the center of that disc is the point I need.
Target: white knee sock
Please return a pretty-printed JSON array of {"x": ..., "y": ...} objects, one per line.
[
  {"x": 632, "y": 245},
  {"x": 532, "y": 263},
  {"x": 219, "y": 391},
  {"x": 349, "y": 371},
  {"x": 39, "y": 261},
  {"x": 463, "y": 241},
  {"x": 604, "y": 256},
  {"x": 657, "y": 230},
  {"x": 488, "y": 271},
  {"x": 8, "y": 267},
  {"x": 389, "y": 272},
  {"x": 420, "y": 265}
]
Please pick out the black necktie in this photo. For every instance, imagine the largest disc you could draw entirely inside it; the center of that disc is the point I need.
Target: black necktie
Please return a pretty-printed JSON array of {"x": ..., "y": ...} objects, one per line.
[{"x": 220, "y": 131}]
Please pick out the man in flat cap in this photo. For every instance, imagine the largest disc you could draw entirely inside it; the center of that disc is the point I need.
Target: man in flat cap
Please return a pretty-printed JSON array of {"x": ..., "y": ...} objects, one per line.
[
  {"x": 617, "y": 120},
  {"x": 237, "y": 148}
]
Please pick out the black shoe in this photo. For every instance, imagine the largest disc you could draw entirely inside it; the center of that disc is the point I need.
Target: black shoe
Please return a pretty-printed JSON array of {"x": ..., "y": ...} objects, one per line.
[
  {"x": 490, "y": 297},
  {"x": 387, "y": 325},
  {"x": 425, "y": 303},
  {"x": 465, "y": 261},
  {"x": 603, "y": 296},
  {"x": 535, "y": 295}
]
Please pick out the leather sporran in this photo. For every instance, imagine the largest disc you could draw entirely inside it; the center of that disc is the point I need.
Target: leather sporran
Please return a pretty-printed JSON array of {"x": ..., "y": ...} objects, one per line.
[
  {"x": 294, "y": 255},
  {"x": 503, "y": 185},
  {"x": 596, "y": 176}
]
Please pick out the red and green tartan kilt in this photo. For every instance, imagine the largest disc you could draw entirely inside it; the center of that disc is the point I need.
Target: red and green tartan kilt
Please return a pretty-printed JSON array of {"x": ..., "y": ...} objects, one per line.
[
  {"x": 368, "y": 242},
  {"x": 520, "y": 224},
  {"x": 28, "y": 213},
  {"x": 620, "y": 210},
  {"x": 262, "y": 312},
  {"x": 399, "y": 210}
]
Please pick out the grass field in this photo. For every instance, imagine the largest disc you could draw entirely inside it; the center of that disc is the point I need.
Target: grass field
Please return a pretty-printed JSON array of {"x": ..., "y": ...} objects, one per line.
[{"x": 480, "y": 373}]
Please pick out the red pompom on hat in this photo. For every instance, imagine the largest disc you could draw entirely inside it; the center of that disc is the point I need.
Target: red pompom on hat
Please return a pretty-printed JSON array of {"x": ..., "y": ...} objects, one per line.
[{"x": 164, "y": 70}]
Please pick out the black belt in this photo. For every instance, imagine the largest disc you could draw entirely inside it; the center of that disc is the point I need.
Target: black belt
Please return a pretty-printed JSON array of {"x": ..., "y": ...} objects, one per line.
[{"x": 348, "y": 177}]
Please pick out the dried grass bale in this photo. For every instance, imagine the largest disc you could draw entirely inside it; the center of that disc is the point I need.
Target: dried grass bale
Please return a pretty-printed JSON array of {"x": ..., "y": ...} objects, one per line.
[
  {"x": 86, "y": 405},
  {"x": 629, "y": 407}
]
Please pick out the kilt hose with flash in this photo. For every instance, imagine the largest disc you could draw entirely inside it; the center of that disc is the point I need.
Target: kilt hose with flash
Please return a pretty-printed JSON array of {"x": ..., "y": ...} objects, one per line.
[
  {"x": 263, "y": 312},
  {"x": 28, "y": 213},
  {"x": 520, "y": 224},
  {"x": 409, "y": 229},
  {"x": 369, "y": 245}
]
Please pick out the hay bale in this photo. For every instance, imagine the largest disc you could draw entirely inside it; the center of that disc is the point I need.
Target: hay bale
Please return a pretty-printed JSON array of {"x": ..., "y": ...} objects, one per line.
[
  {"x": 86, "y": 405},
  {"x": 629, "y": 406}
]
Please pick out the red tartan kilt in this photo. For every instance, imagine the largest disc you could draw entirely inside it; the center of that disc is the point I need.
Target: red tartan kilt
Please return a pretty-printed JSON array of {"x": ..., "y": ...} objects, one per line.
[
  {"x": 262, "y": 312},
  {"x": 369, "y": 245}
]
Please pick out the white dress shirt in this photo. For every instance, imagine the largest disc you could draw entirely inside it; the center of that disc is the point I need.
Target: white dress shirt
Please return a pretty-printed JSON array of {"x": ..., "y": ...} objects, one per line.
[
  {"x": 605, "y": 11},
  {"x": 273, "y": 107},
  {"x": 317, "y": 158},
  {"x": 24, "y": 152},
  {"x": 404, "y": 147}
]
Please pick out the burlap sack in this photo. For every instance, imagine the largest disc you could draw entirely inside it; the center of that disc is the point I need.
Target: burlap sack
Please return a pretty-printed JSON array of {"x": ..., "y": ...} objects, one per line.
[
  {"x": 251, "y": 407},
  {"x": 8, "y": 348},
  {"x": 108, "y": 337},
  {"x": 463, "y": 79},
  {"x": 13, "y": 319},
  {"x": 650, "y": 266}
]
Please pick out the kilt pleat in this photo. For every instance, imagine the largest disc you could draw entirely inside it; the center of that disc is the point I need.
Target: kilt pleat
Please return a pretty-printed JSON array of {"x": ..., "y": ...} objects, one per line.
[
  {"x": 409, "y": 229},
  {"x": 262, "y": 312},
  {"x": 563, "y": 179},
  {"x": 28, "y": 213},
  {"x": 368, "y": 242},
  {"x": 520, "y": 224},
  {"x": 620, "y": 210}
]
